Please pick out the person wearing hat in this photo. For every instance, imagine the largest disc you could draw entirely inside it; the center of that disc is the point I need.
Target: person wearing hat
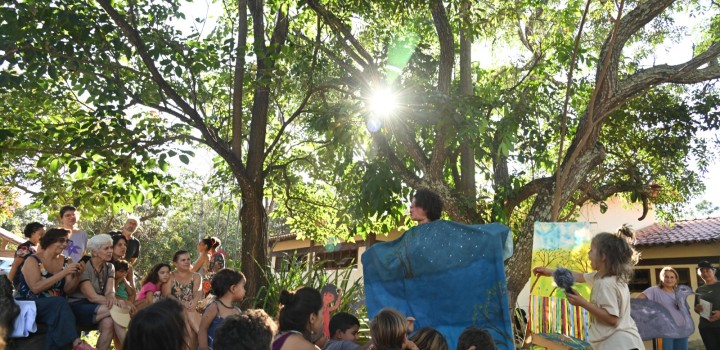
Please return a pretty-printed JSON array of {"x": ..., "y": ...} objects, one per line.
[{"x": 709, "y": 327}]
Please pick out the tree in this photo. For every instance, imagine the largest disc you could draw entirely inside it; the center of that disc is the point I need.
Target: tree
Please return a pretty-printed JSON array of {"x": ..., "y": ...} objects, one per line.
[
  {"x": 124, "y": 70},
  {"x": 283, "y": 108},
  {"x": 626, "y": 132}
]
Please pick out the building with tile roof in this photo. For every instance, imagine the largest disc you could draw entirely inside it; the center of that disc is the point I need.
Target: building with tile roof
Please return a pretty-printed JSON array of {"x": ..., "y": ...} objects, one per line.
[{"x": 682, "y": 245}]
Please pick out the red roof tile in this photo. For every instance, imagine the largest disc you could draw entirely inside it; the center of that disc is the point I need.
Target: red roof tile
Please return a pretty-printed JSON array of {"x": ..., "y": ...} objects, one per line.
[{"x": 680, "y": 232}]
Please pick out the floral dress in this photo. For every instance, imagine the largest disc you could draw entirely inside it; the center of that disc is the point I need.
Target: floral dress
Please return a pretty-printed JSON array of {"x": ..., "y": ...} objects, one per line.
[
  {"x": 57, "y": 289},
  {"x": 183, "y": 292}
]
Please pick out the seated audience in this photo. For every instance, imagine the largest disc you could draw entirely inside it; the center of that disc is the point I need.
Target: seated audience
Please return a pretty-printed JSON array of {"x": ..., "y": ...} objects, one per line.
[
  {"x": 123, "y": 289},
  {"x": 300, "y": 320},
  {"x": 185, "y": 286},
  {"x": 473, "y": 338},
  {"x": 251, "y": 330},
  {"x": 45, "y": 278},
  {"x": 151, "y": 290},
  {"x": 389, "y": 330},
  {"x": 95, "y": 295},
  {"x": 160, "y": 326},
  {"x": 427, "y": 338}
]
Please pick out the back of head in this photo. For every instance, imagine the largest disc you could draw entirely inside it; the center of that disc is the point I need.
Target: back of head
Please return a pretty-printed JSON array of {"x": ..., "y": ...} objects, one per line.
[
  {"x": 160, "y": 326},
  {"x": 477, "y": 337},
  {"x": 428, "y": 338},
  {"x": 342, "y": 321},
  {"x": 224, "y": 279},
  {"x": 31, "y": 228},
  {"x": 620, "y": 257},
  {"x": 430, "y": 202},
  {"x": 251, "y": 330},
  {"x": 388, "y": 330},
  {"x": 121, "y": 265},
  {"x": 296, "y": 309}
]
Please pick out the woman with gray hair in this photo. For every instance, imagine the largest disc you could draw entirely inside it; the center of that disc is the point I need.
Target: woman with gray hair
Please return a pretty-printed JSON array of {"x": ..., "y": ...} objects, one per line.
[{"x": 95, "y": 296}]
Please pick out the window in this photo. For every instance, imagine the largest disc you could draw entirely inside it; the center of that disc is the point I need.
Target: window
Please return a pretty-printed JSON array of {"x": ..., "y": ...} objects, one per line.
[
  {"x": 284, "y": 259},
  {"x": 683, "y": 278},
  {"x": 640, "y": 281},
  {"x": 338, "y": 259}
]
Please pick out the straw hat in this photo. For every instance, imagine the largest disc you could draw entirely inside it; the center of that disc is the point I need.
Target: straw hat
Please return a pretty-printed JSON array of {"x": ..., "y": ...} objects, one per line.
[{"x": 121, "y": 315}]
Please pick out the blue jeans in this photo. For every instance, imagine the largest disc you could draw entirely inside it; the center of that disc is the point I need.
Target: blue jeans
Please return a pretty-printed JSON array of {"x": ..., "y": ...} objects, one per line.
[
  {"x": 674, "y": 344},
  {"x": 56, "y": 314}
]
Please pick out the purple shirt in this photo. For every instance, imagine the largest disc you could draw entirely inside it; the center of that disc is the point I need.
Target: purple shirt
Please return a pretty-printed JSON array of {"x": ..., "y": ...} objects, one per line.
[{"x": 655, "y": 293}]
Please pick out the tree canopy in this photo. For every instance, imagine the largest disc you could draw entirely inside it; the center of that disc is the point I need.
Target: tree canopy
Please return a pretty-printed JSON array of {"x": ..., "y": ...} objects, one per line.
[{"x": 100, "y": 95}]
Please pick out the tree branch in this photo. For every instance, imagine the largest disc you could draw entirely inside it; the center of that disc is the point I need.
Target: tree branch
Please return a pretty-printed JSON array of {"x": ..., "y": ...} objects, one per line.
[
  {"x": 685, "y": 73},
  {"x": 211, "y": 137},
  {"x": 384, "y": 147},
  {"x": 266, "y": 58},
  {"x": 357, "y": 50},
  {"x": 237, "y": 122},
  {"x": 528, "y": 190}
]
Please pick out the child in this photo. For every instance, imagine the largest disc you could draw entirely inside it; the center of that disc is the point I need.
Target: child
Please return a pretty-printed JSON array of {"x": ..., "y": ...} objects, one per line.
[
  {"x": 428, "y": 338},
  {"x": 123, "y": 290},
  {"x": 389, "y": 330},
  {"x": 344, "y": 329},
  {"x": 611, "y": 326},
  {"x": 330, "y": 294},
  {"x": 152, "y": 285},
  {"x": 473, "y": 338},
  {"x": 251, "y": 330},
  {"x": 230, "y": 286}
]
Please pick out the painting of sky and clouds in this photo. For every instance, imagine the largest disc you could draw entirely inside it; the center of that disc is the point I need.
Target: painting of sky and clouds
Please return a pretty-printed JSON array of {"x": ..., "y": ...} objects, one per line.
[{"x": 561, "y": 235}]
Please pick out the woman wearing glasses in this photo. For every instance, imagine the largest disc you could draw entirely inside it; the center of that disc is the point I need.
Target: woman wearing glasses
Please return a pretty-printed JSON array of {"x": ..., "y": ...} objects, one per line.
[
  {"x": 46, "y": 278},
  {"x": 664, "y": 293}
]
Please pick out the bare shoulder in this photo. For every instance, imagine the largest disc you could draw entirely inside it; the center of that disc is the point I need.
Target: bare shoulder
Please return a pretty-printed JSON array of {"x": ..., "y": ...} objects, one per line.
[{"x": 297, "y": 342}]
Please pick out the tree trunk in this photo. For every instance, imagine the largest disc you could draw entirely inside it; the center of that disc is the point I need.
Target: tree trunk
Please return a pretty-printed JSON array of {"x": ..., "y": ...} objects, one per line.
[
  {"x": 254, "y": 258},
  {"x": 518, "y": 268}
]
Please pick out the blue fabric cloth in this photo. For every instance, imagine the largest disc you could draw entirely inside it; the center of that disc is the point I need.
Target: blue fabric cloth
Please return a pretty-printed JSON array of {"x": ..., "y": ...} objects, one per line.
[{"x": 447, "y": 275}]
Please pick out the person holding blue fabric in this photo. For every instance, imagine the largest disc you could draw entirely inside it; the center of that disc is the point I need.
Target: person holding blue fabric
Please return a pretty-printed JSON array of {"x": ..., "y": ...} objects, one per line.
[
  {"x": 426, "y": 206},
  {"x": 664, "y": 293},
  {"x": 46, "y": 278}
]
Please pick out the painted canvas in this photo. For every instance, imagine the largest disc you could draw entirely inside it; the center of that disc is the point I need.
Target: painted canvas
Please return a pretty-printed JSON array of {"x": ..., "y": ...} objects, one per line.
[{"x": 559, "y": 244}]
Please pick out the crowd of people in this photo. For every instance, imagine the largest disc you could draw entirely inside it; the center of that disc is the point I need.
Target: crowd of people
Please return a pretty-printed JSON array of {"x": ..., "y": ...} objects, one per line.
[{"x": 81, "y": 283}]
